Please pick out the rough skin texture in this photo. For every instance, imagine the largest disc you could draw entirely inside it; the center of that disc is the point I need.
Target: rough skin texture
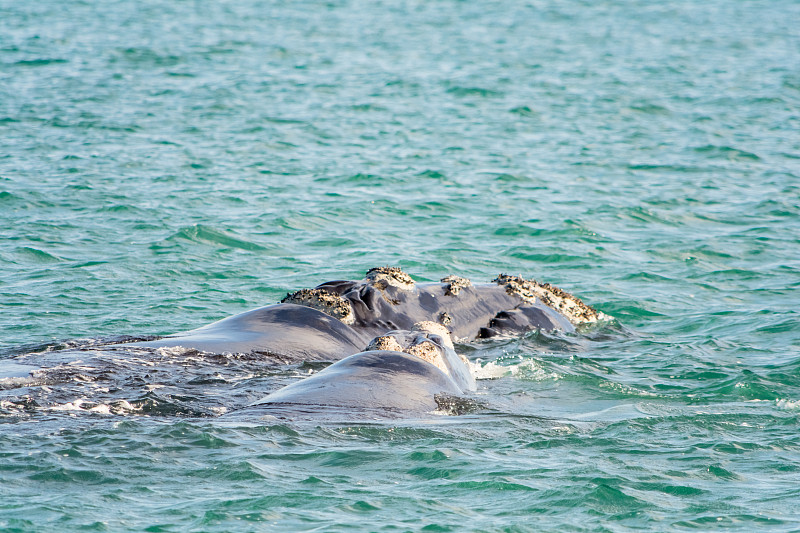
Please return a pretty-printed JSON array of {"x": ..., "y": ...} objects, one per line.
[
  {"x": 330, "y": 304},
  {"x": 421, "y": 347},
  {"x": 382, "y": 277},
  {"x": 425, "y": 350},
  {"x": 437, "y": 329},
  {"x": 455, "y": 284},
  {"x": 568, "y": 305},
  {"x": 385, "y": 342}
]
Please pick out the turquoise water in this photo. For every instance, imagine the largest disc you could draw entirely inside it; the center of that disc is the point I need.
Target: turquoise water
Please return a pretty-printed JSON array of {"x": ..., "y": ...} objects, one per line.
[{"x": 167, "y": 164}]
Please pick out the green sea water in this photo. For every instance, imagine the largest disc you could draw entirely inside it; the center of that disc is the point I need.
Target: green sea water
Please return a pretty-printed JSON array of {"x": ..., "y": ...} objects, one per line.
[{"x": 165, "y": 164}]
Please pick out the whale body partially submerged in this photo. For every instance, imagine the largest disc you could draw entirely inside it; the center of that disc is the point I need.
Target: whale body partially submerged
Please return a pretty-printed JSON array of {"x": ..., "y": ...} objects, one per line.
[
  {"x": 390, "y": 340},
  {"x": 337, "y": 318},
  {"x": 400, "y": 374}
]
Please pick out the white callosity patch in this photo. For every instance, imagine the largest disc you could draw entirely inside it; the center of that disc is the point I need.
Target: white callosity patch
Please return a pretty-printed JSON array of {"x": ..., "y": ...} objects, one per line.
[
  {"x": 455, "y": 284},
  {"x": 420, "y": 347},
  {"x": 428, "y": 345},
  {"x": 329, "y": 303},
  {"x": 382, "y": 277},
  {"x": 438, "y": 329},
  {"x": 385, "y": 342},
  {"x": 568, "y": 305},
  {"x": 427, "y": 326}
]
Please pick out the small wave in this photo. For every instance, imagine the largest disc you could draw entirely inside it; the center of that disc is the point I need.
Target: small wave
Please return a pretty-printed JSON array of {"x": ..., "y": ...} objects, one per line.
[
  {"x": 83, "y": 404},
  {"x": 627, "y": 390},
  {"x": 10, "y": 370},
  {"x": 34, "y": 255},
  {"x": 14, "y": 407},
  {"x": 523, "y": 111},
  {"x": 71, "y": 344},
  {"x": 202, "y": 234},
  {"x": 148, "y": 405},
  {"x": 726, "y": 152},
  {"x": 176, "y": 351},
  {"x": 531, "y": 370},
  {"x": 41, "y": 61},
  {"x": 473, "y": 91}
]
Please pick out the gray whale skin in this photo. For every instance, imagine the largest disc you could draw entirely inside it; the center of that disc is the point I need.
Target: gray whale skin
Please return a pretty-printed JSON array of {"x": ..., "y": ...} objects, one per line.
[
  {"x": 338, "y": 318},
  {"x": 401, "y": 374}
]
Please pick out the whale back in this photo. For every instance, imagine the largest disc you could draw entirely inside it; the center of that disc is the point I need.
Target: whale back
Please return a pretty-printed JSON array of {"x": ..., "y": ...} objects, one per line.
[
  {"x": 380, "y": 381},
  {"x": 464, "y": 313},
  {"x": 283, "y": 332}
]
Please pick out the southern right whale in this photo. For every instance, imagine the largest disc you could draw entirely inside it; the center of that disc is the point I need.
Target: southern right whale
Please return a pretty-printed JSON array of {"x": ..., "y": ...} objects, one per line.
[
  {"x": 337, "y": 318},
  {"x": 399, "y": 374}
]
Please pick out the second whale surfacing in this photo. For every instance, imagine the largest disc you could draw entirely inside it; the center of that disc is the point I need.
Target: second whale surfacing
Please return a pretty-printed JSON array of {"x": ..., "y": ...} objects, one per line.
[
  {"x": 338, "y": 318},
  {"x": 400, "y": 374}
]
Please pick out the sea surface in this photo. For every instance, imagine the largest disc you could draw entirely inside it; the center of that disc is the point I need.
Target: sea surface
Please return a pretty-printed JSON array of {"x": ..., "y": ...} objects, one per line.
[{"x": 167, "y": 163}]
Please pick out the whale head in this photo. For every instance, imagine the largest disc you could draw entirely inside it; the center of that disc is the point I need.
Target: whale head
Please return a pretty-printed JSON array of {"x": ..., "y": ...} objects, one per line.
[{"x": 430, "y": 342}]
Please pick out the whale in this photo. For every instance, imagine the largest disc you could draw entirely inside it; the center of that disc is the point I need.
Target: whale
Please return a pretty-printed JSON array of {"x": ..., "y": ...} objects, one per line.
[
  {"x": 281, "y": 333},
  {"x": 337, "y": 318},
  {"x": 384, "y": 362},
  {"x": 399, "y": 374}
]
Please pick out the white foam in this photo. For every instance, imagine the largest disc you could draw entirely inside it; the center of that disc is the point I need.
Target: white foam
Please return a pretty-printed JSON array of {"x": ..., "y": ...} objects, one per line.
[
  {"x": 70, "y": 406},
  {"x": 789, "y": 405},
  {"x": 490, "y": 370},
  {"x": 527, "y": 369},
  {"x": 174, "y": 351},
  {"x": 102, "y": 409},
  {"x": 15, "y": 382},
  {"x": 119, "y": 407},
  {"x": 6, "y": 405}
]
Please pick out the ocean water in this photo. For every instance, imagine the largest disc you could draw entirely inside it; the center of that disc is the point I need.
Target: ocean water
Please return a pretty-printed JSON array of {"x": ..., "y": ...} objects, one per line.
[{"x": 165, "y": 164}]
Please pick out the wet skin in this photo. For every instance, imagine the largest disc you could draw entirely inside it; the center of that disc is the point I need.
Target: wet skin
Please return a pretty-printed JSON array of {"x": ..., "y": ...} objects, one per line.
[
  {"x": 291, "y": 333},
  {"x": 384, "y": 383},
  {"x": 380, "y": 383}
]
